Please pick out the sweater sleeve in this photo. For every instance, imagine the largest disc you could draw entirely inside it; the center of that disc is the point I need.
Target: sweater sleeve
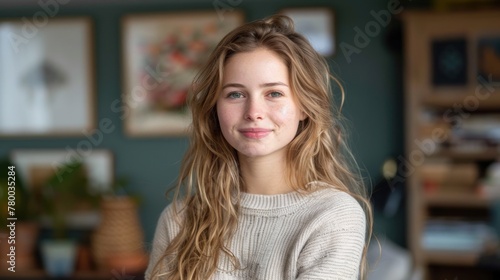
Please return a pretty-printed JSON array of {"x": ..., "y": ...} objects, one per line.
[
  {"x": 161, "y": 239},
  {"x": 335, "y": 247}
]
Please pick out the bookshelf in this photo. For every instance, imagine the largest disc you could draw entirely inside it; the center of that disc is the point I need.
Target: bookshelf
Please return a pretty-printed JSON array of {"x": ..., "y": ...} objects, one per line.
[
  {"x": 453, "y": 259},
  {"x": 444, "y": 167},
  {"x": 456, "y": 200}
]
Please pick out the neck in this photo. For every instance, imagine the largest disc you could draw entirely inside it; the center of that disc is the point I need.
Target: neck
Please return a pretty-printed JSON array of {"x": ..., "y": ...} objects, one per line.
[{"x": 264, "y": 175}]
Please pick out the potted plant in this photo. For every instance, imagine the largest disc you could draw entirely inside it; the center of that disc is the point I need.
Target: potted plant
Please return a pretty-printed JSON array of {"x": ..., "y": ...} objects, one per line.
[{"x": 66, "y": 192}]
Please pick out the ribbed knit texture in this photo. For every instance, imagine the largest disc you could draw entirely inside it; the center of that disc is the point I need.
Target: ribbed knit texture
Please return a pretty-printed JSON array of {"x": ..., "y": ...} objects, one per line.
[{"x": 287, "y": 236}]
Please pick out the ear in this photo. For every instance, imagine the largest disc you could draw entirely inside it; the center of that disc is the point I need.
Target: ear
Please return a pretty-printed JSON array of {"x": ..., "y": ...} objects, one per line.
[{"x": 302, "y": 116}]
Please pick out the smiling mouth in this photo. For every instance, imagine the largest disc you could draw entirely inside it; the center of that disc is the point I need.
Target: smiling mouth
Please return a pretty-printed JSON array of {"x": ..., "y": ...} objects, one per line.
[{"x": 255, "y": 133}]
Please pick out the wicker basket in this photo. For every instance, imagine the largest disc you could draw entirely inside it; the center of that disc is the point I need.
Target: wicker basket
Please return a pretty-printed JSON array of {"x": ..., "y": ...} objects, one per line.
[{"x": 119, "y": 233}]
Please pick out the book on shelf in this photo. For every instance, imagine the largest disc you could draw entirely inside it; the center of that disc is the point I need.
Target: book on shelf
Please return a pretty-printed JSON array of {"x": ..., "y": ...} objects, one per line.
[
  {"x": 444, "y": 176},
  {"x": 453, "y": 235}
]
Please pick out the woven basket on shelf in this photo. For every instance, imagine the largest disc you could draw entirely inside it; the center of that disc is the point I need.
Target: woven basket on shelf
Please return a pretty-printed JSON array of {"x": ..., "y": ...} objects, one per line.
[{"x": 119, "y": 235}]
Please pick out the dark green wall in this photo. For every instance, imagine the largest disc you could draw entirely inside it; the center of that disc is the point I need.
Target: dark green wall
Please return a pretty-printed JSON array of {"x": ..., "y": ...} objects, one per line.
[{"x": 372, "y": 82}]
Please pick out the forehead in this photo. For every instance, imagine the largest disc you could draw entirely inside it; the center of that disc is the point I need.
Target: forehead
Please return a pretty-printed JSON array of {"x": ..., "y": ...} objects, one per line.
[{"x": 261, "y": 64}]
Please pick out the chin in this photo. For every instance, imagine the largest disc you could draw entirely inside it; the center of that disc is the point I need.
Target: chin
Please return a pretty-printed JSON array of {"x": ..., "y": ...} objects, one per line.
[{"x": 251, "y": 153}]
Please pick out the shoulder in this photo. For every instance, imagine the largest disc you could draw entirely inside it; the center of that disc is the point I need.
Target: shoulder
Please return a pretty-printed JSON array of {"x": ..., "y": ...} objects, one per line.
[
  {"x": 171, "y": 215},
  {"x": 168, "y": 212},
  {"x": 334, "y": 208},
  {"x": 334, "y": 236},
  {"x": 166, "y": 228}
]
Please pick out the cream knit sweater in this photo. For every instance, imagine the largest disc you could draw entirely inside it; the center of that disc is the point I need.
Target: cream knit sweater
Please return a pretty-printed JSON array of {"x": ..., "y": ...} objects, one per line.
[{"x": 287, "y": 236}]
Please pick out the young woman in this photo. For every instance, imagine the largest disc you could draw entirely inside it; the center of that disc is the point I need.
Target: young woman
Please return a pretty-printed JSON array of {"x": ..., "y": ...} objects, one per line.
[{"x": 268, "y": 192}]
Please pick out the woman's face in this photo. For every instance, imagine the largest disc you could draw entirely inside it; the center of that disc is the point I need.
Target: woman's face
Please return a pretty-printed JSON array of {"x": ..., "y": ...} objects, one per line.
[{"x": 257, "y": 111}]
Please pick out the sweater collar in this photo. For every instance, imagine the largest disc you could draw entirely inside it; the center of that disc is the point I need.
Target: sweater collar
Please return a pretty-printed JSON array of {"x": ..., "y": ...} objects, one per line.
[
  {"x": 271, "y": 202},
  {"x": 278, "y": 204}
]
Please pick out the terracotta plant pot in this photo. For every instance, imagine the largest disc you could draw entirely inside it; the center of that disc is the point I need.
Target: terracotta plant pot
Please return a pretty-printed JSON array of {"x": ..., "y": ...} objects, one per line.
[{"x": 26, "y": 238}]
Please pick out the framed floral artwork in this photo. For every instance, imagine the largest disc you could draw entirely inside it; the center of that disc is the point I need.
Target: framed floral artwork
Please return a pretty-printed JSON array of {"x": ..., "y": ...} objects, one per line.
[
  {"x": 162, "y": 53},
  {"x": 47, "y": 83}
]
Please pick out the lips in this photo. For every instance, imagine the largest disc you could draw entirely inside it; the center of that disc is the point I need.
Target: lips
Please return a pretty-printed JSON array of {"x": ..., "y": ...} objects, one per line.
[{"x": 255, "y": 133}]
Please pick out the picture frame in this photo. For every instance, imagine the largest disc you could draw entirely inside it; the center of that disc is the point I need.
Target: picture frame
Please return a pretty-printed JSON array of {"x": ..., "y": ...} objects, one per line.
[
  {"x": 36, "y": 166},
  {"x": 488, "y": 58},
  {"x": 47, "y": 84},
  {"x": 99, "y": 163},
  {"x": 450, "y": 62},
  {"x": 162, "y": 53},
  {"x": 317, "y": 24},
  {"x": 465, "y": 42}
]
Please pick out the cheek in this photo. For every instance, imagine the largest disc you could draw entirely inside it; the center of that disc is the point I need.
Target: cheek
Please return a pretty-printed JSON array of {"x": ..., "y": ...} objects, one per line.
[
  {"x": 225, "y": 116},
  {"x": 287, "y": 114}
]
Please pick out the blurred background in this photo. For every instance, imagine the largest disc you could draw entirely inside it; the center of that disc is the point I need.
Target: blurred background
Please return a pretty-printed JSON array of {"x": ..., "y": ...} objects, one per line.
[{"x": 92, "y": 119}]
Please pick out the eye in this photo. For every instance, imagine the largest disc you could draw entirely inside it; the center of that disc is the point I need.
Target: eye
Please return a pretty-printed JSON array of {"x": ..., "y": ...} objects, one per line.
[
  {"x": 235, "y": 95},
  {"x": 275, "y": 94}
]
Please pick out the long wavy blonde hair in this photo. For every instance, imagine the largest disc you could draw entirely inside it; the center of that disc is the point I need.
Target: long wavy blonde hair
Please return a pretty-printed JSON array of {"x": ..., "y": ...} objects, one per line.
[{"x": 210, "y": 179}]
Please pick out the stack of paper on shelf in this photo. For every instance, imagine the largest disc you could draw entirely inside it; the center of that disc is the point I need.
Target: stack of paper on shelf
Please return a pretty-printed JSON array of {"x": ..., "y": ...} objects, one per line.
[{"x": 480, "y": 130}]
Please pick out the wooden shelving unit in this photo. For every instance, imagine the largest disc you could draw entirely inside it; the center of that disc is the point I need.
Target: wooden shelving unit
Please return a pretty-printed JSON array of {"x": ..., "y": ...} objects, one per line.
[
  {"x": 462, "y": 200},
  {"x": 483, "y": 154},
  {"x": 447, "y": 100},
  {"x": 452, "y": 258},
  {"x": 423, "y": 98}
]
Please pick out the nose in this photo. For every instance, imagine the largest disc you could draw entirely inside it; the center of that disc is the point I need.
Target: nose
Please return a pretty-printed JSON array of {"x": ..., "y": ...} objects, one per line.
[{"x": 254, "y": 109}]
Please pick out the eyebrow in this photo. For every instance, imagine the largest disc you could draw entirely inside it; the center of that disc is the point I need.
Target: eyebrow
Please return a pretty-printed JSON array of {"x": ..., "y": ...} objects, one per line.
[{"x": 236, "y": 85}]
